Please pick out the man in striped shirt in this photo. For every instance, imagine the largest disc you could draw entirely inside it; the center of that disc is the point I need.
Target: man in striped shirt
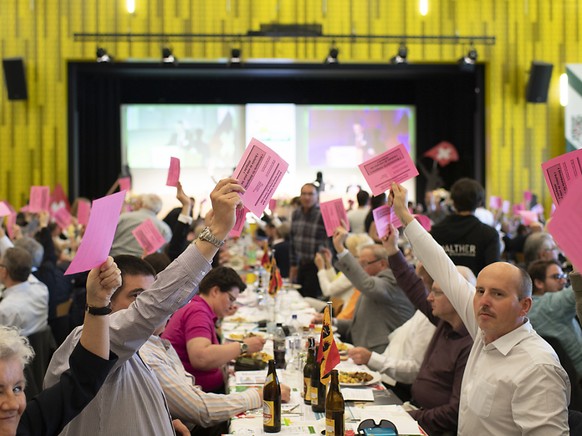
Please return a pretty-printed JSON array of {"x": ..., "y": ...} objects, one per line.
[{"x": 187, "y": 402}]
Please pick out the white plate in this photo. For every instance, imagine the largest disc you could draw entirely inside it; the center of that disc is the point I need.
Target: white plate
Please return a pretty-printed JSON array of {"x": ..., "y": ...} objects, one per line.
[
  {"x": 240, "y": 336},
  {"x": 376, "y": 378},
  {"x": 317, "y": 329},
  {"x": 291, "y": 286},
  {"x": 344, "y": 352}
]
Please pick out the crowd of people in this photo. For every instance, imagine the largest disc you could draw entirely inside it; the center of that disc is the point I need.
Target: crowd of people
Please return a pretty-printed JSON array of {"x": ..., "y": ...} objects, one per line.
[{"x": 458, "y": 320}]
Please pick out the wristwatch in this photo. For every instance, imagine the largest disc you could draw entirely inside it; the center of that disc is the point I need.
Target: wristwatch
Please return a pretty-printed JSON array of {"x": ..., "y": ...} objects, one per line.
[
  {"x": 243, "y": 348},
  {"x": 206, "y": 235},
  {"x": 98, "y": 310}
]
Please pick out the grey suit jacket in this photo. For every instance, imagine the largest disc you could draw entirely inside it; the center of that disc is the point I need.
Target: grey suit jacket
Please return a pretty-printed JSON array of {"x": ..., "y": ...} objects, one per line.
[{"x": 381, "y": 308}]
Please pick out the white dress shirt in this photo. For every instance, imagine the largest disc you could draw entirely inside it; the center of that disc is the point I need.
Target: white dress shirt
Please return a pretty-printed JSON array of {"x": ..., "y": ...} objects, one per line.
[
  {"x": 512, "y": 386},
  {"x": 401, "y": 360},
  {"x": 25, "y": 306}
]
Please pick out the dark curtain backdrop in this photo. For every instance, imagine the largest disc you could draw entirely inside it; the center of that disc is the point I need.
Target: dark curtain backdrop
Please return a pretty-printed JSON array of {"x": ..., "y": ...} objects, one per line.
[
  {"x": 95, "y": 157},
  {"x": 449, "y": 105}
]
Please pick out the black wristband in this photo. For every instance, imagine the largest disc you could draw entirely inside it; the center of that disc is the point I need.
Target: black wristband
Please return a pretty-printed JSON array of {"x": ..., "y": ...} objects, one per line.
[{"x": 98, "y": 310}]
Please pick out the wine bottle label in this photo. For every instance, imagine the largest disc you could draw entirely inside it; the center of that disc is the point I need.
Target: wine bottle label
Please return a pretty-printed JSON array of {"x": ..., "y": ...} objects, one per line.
[
  {"x": 268, "y": 413},
  {"x": 269, "y": 379},
  {"x": 330, "y": 427},
  {"x": 307, "y": 388},
  {"x": 313, "y": 396},
  {"x": 334, "y": 425}
]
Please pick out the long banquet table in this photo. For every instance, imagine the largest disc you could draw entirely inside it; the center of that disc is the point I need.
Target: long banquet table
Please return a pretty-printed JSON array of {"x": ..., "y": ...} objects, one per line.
[{"x": 362, "y": 402}]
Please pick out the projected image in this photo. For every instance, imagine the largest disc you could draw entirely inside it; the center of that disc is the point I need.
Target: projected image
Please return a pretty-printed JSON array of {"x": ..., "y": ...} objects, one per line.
[
  {"x": 209, "y": 140},
  {"x": 209, "y": 136},
  {"x": 338, "y": 136}
]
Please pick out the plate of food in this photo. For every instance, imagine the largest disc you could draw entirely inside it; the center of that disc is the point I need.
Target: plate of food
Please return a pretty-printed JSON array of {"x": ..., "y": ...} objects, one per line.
[
  {"x": 358, "y": 378},
  {"x": 241, "y": 336},
  {"x": 343, "y": 348},
  {"x": 317, "y": 328}
]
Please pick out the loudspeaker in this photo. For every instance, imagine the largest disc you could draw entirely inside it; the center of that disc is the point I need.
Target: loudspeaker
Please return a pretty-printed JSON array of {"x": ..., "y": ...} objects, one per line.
[
  {"x": 538, "y": 84},
  {"x": 15, "y": 78}
]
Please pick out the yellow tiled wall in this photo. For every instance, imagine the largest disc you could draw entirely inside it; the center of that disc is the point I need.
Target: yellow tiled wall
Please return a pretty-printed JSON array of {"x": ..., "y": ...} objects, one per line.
[{"x": 519, "y": 136}]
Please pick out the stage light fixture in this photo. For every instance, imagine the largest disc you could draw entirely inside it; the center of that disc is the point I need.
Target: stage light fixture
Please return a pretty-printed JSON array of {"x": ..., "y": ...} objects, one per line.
[
  {"x": 401, "y": 56},
  {"x": 168, "y": 57},
  {"x": 235, "y": 56},
  {"x": 102, "y": 56},
  {"x": 332, "y": 57},
  {"x": 467, "y": 62}
]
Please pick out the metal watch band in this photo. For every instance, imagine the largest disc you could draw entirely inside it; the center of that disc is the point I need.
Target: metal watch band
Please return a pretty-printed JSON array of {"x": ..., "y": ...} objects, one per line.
[
  {"x": 206, "y": 235},
  {"x": 98, "y": 310}
]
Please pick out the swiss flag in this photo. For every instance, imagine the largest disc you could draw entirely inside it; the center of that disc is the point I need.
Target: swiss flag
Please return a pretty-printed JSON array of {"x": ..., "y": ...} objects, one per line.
[{"x": 444, "y": 153}]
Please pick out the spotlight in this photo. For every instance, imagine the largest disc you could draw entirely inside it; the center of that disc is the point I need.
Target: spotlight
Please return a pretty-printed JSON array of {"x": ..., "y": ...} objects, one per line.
[
  {"x": 400, "y": 57},
  {"x": 235, "y": 55},
  {"x": 332, "y": 56},
  {"x": 168, "y": 57},
  {"x": 102, "y": 56},
  {"x": 467, "y": 62}
]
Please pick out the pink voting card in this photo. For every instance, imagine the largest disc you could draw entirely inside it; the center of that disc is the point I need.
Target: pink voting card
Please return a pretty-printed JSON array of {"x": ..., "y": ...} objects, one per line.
[
  {"x": 173, "y": 172},
  {"x": 62, "y": 217},
  {"x": 566, "y": 223},
  {"x": 517, "y": 208},
  {"x": 259, "y": 171},
  {"x": 527, "y": 196},
  {"x": 124, "y": 183},
  {"x": 495, "y": 202},
  {"x": 333, "y": 212},
  {"x": 561, "y": 172},
  {"x": 39, "y": 199},
  {"x": 4, "y": 209},
  {"x": 506, "y": 206},
  {"x": 239, "y": 225},
  {"x": 148, "y": 236},
  {"x": 394, "y": 165},
  {"x": 424, "y": 221},
  {"x": 272, "y": 204},
  {"x": 98, "y": 236},
  {"x": 528, "y": 216},
  {"x": 383, "y": 216},
  {"x": 83, "y": 211}
]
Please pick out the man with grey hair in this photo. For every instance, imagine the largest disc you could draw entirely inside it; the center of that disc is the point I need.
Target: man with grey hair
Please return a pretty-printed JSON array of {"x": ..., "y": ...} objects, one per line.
[
  {"x": 46, "y": 273},
  {"x": 23, "y": 304},
  {"x": 147, "y": 207},
  {"x": 382, "y": 306},
  {"x": 540, "y": 246}
]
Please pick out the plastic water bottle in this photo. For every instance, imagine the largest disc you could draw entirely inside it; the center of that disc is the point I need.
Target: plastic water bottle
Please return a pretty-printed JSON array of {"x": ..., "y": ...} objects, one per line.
[
  {"x": 294, "y": 325},
  {"x": 279, "y": 348},
  {"x": 295, "y": 344}
]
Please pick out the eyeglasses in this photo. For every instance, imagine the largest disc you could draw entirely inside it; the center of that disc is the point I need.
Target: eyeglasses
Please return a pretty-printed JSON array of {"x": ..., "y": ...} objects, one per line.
[
  {"x": 436, "y": 294},
  {"x": 370, "y": 423},
  {"x": 365, "y": 263},
  {"x": 231, "y": 297},
  {"x": 557, "y": 276}
]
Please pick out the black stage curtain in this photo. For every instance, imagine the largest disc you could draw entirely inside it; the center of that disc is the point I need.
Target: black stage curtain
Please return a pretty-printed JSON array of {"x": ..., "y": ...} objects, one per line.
[{"x": 95, "y": 160}]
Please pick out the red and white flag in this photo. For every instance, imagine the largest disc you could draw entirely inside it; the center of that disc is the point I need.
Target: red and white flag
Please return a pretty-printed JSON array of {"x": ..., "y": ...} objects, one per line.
[
  {"x": 327, "y": 353},
  {"x": 443, "y": 153}
]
